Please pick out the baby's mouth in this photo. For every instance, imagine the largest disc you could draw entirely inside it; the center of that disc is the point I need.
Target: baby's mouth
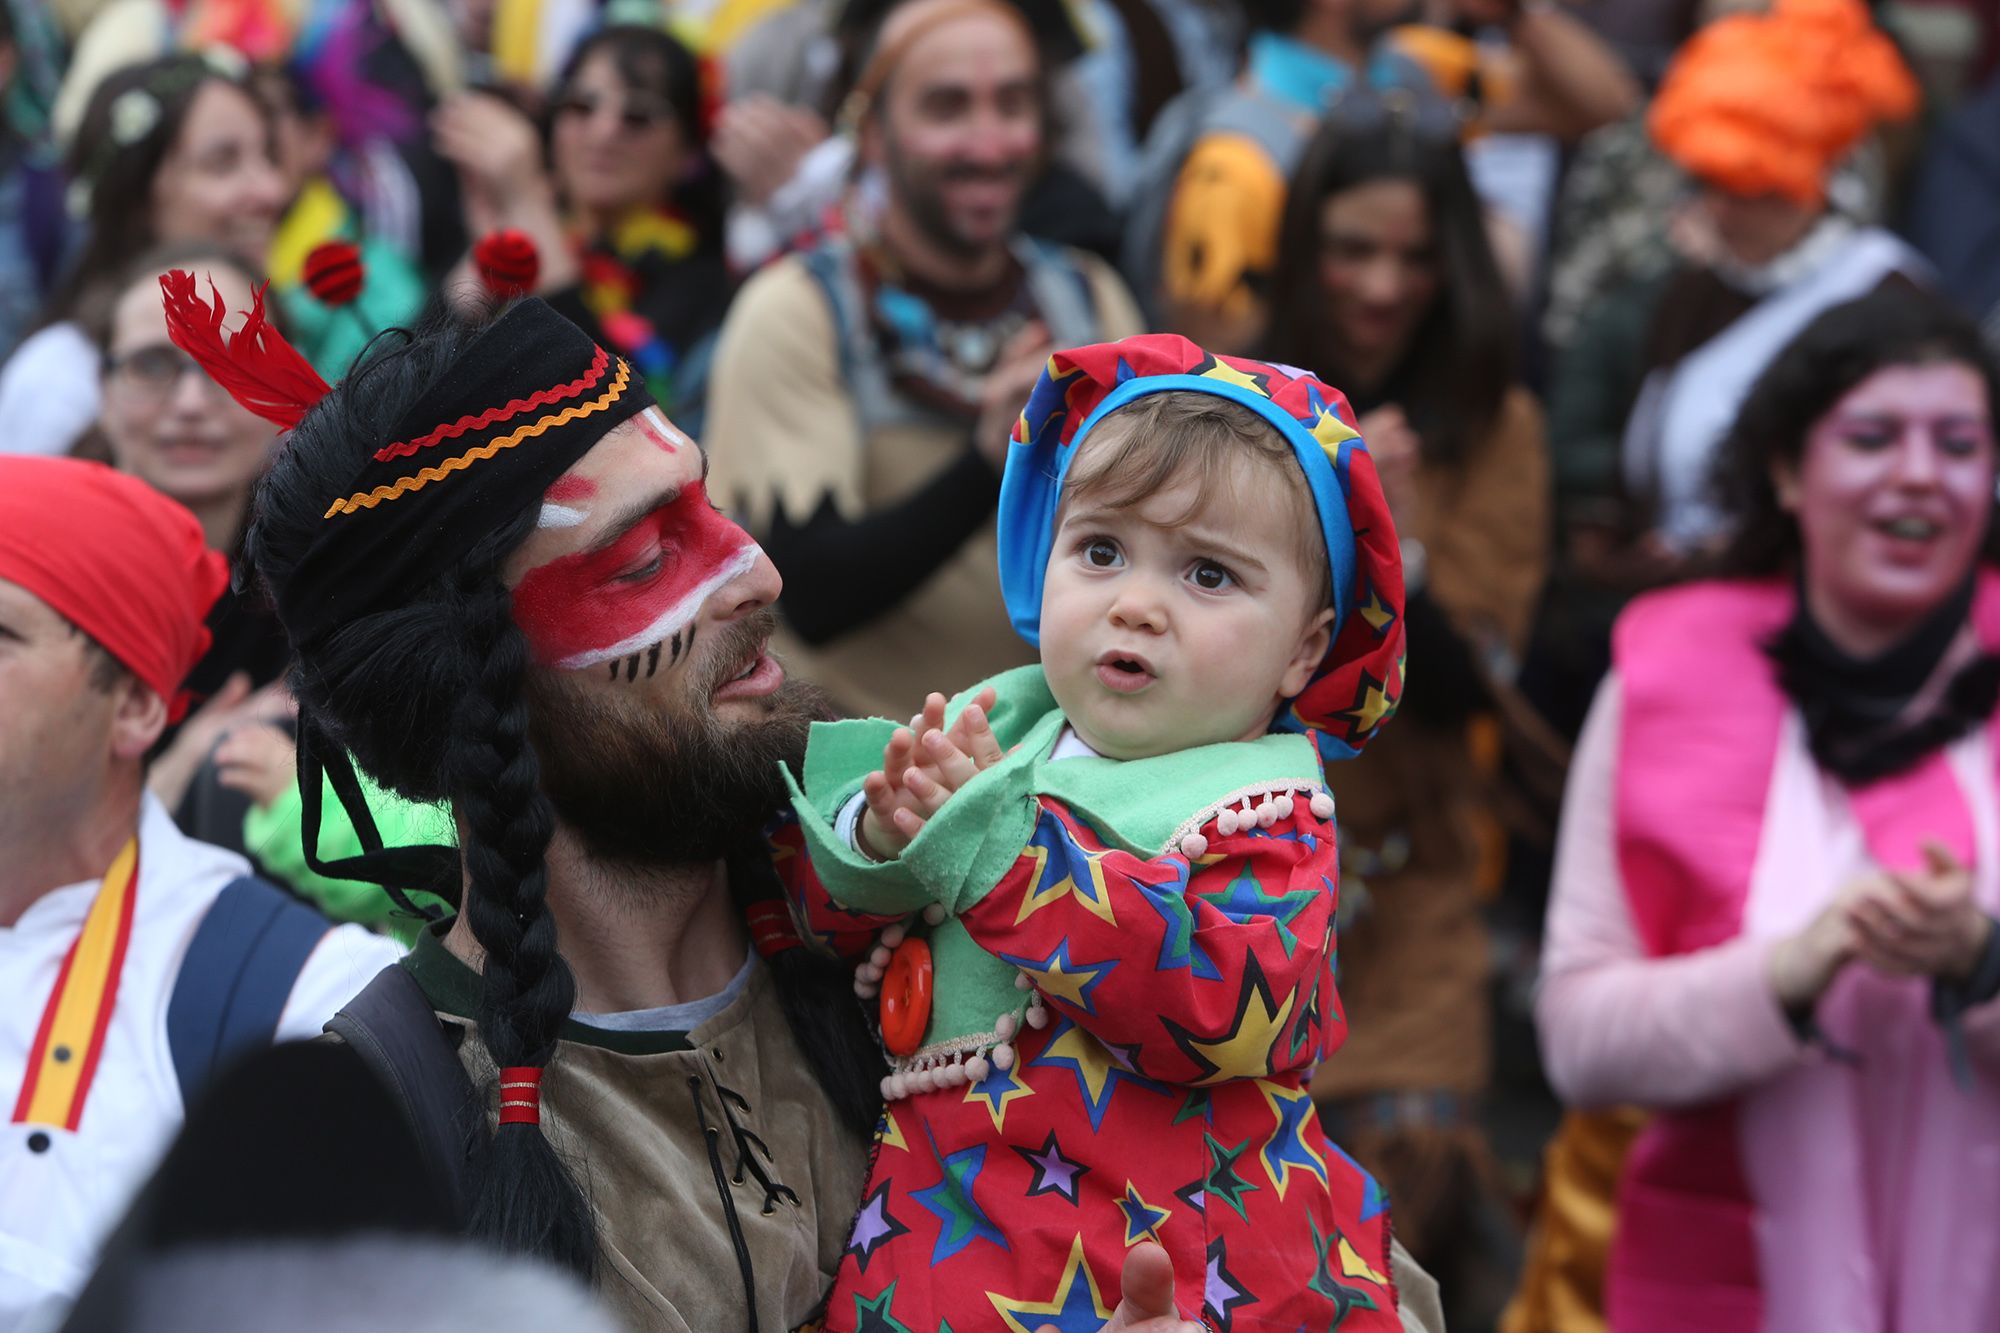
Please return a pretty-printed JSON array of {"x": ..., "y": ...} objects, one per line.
[{"x": 1123, "y": 672}]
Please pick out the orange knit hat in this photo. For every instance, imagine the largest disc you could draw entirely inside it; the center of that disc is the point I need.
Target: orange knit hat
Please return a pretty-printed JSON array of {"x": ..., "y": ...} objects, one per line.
[{"x": 1767, "y": 103}]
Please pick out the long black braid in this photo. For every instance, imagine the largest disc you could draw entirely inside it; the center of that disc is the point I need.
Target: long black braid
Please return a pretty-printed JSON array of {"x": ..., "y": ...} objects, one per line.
[{"x": 428, "y": 698}]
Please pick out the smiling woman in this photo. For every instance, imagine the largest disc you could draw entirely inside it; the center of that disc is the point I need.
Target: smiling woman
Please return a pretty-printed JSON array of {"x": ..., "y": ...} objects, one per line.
[
  {"x": 1780, "y": 834},
  {"x": 165, "y": 422},
  {"x": 175, "y": 151}
]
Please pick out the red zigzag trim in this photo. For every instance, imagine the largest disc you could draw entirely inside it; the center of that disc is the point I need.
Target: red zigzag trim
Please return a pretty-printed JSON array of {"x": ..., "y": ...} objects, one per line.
[{"x": 494, "y": 415}]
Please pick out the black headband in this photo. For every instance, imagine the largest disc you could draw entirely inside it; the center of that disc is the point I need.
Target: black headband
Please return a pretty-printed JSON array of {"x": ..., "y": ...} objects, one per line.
[{"x": 529, "y": 397}]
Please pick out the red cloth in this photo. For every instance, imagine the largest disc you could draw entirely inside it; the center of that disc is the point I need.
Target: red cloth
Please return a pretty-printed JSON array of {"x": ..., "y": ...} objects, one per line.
[{"x": 121, "y": 562}]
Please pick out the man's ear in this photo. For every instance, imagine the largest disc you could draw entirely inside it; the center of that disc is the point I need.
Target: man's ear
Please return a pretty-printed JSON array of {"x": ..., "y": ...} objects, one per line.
[
  {"x": 138, "y": 716},
  {"x": 1311, "y": 651}
]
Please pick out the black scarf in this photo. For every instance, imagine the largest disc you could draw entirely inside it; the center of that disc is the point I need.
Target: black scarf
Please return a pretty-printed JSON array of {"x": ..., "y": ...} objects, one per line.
[{"x": 1853, "y": 707}]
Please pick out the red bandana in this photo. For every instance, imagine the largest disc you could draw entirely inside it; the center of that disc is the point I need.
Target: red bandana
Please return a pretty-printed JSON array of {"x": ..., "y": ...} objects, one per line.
[{"x": 115, "y": 558}]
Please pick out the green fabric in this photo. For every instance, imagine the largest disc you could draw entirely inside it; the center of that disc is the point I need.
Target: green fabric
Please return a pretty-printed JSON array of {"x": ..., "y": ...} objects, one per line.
[
  {"x": 963, "y": 853},
  {"x": 454, "y": 988},
  {"x": 276, "y": 837}
]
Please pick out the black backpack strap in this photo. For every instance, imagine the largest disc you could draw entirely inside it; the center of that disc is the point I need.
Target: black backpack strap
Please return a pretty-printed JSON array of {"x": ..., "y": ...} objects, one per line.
[
  {"x": 393, "y": 1028},
  {"x": 239, "y": 971}
]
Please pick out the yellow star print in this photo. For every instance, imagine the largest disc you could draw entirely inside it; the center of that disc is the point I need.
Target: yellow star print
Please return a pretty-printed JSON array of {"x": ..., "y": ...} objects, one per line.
[
  {"x": 1332, "y": 433},
  {"x": 1353, "y": 1265},
  {"x": 1246, "y": 1051},
  {"x": 1229, "y": 374}
]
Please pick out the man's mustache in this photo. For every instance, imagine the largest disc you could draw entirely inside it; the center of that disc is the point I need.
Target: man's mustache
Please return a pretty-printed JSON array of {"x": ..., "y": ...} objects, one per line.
[{"x": 732, "y": 645}]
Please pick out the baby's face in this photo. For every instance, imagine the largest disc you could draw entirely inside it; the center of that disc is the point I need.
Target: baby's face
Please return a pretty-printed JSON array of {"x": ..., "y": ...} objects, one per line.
[{"x": 1158, "y": 638}]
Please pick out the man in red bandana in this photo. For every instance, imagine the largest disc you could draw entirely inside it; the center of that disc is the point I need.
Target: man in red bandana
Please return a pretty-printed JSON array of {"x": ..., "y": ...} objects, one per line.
[{"x": 134, "y": 959}]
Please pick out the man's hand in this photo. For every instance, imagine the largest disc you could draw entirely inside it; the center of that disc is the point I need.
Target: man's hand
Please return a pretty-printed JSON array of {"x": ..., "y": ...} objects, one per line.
[
  {"x": 760, "y": 142},
  {"x": 1924, "y": 923},
  {"x": 1148, "y": 1306},
  {"x": 1006, "y": 391},
  {"x": 258, "y": 760},
  {"x": 922, "y": 765}
]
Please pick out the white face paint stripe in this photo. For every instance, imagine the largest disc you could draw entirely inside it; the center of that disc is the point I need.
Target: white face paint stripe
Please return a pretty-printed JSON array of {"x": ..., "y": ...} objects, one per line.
[
  {"x": 560, "y": 516},
  {"x": 667, "y": 428},
  {"x": 677, "y": 616}
]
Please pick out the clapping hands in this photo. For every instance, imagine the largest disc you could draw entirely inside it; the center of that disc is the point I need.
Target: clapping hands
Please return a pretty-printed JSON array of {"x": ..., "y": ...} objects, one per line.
[
  {"x": 1922, "y": 923},
  {"x": 922, "y": 766}
]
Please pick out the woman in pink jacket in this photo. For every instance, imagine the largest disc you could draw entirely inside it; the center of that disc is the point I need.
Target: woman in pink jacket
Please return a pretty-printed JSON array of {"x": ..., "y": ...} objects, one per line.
[{"x": 1780, "y": 856}]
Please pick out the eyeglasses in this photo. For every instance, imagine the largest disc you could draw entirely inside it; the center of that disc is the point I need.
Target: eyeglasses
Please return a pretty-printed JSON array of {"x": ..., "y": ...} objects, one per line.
[
  {"x": 148, "y": 375},
  {"x": 636, "y": 115}
]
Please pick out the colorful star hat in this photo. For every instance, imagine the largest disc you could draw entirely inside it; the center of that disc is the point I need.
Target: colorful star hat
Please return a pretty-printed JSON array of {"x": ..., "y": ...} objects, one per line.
[{"x": 1359, "y": 682}]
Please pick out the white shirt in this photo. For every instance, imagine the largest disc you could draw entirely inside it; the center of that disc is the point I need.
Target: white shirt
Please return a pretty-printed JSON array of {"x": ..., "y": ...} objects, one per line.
[
  {"x": 57, "y": 1204},
  {"x": 49, "y": 392}
]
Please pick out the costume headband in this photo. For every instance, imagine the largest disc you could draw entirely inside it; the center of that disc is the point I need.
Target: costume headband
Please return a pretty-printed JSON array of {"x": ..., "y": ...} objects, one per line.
[
  {"x": 1361, "y": 677},
  {"x": 526, "y": 400},
  {"x": 528, "y": 397}
]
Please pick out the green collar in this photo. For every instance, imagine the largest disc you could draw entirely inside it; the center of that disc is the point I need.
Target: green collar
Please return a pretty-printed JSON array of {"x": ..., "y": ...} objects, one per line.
[{"x": 454, "y": 988}]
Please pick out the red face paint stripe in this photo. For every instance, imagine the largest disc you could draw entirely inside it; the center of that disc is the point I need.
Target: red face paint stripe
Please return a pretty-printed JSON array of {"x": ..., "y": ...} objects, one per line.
[
  {"x": 494, "y": 415},
  {"x": 567, "y": 489},
  {"x": 575, "y": 609}
]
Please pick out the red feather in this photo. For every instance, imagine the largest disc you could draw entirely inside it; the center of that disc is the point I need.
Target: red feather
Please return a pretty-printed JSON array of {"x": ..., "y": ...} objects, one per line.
[{"x": 256, "y": 365}]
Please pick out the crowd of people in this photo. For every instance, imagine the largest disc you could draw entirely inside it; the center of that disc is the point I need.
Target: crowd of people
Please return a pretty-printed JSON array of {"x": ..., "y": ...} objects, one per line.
[{"x": 1458, "y": 535}]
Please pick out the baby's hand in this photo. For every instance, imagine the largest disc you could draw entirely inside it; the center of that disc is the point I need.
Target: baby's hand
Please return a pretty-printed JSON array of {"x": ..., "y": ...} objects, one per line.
[{"x": 922, "y": 765}]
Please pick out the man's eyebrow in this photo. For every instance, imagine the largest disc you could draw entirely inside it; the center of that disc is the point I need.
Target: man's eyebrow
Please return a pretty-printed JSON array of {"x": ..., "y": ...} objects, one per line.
[{"x": 625, "y": 516}]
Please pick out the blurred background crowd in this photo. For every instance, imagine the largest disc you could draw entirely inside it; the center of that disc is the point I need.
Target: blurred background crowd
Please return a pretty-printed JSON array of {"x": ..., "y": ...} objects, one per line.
[{"x": 1570, "y": 260}]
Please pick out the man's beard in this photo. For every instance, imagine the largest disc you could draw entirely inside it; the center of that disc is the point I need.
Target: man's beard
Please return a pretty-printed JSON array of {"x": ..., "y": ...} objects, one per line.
[
  {"x": 921, "y": 191},
  {"x": 651, "y": 787}
]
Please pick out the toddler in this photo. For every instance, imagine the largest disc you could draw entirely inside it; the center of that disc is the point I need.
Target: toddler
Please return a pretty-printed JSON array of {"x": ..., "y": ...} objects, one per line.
[{"x": 1095, "y": 897}]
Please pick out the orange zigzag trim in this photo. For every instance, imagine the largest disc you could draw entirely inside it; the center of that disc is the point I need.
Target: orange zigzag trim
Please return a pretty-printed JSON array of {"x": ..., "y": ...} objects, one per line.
[
  {"x": 416, "y": 482},
  {"x": 494, "y": 415}
]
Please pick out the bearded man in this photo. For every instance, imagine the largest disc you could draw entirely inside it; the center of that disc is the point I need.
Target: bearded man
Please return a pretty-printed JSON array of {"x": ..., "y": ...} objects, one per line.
[
  {"x": 507, "y": 592},
  {"x": 869, "y": 465}
]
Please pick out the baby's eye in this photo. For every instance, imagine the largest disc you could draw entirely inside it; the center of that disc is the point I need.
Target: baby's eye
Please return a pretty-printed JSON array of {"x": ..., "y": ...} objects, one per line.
[
  {"x": 1209, "y": 576},
  {"x": 1100, "y": 553}
]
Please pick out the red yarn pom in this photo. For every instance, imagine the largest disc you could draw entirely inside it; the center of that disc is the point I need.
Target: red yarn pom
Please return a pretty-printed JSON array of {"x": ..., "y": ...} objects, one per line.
[
  {"x": 508, "y": 262},
  {"x": 333, "y": 272}
]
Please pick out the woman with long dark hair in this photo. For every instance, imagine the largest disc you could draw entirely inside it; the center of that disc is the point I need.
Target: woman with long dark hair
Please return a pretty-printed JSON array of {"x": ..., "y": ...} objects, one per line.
[
  {"x": 1387, "y": 288},
  {"x": 1772, "y": 917},
  {"x": 174, "y": 151},
  {"x": 619, "y": 198}
]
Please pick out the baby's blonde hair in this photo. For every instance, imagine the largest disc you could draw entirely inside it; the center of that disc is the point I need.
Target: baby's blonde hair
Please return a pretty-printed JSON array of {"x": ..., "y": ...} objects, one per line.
[{"x": 1149, "y": 445}]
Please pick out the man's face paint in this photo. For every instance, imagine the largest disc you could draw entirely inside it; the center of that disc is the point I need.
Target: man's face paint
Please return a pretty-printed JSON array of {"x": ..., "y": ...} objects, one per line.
[
  {"x": 565, "y": 504},
  {"x": 632, "y": 603},
  {"x": 653, "y": 424}
]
